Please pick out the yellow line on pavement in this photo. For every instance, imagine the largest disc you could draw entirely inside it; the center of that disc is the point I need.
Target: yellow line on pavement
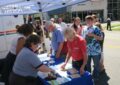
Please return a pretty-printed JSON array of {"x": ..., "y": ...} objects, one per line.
[
  {"x": 113, "y": 38},
  {"x": 113, "y": 46}
]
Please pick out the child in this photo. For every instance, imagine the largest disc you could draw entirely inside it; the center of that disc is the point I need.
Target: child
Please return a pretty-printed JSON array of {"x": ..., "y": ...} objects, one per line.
[{"x": 102, "y": 69}]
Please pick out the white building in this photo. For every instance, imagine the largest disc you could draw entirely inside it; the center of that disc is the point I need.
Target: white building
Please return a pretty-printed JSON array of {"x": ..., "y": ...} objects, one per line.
[{"x": 98, "y": 7}]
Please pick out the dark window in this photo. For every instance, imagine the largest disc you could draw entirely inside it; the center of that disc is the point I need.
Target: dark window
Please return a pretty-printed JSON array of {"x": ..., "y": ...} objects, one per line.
[
  {"x": 84, "y": 15},
  {"x": 115, "y": 14},
  {"x": 114, "y": 5},
  {"x": 113, "y": 9},
  {"x": 74, "y": 14},
  {"x": 110, "y": 0},
  {"x": 80, "y": 15},
  {"x": 109, "y": 5}
]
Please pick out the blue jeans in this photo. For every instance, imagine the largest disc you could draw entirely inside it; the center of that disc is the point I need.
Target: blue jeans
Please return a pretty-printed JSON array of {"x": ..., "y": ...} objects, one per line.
[{"x": 96, "y": 60}]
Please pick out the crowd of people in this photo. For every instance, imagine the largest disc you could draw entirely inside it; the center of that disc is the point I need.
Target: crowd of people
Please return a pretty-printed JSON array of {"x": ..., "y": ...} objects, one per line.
[
  {"x": 81, "y": 43},
  {"x": 84, "y": 44}
]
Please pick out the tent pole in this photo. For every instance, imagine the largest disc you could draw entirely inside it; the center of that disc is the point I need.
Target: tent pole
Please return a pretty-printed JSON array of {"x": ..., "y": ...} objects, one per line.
[{"x": 43, "y": 45}]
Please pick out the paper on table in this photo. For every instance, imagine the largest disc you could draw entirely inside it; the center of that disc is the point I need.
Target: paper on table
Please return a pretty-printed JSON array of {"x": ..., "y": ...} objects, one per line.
[
  {"x": 72, "y": 71},
  {"x": 43, "y": 57},
  {"x": 42, "y": 75},
  {"x": 61, "y": 80},
  {"x": 57, "y": 68},
  {"x": 74, "y": 76}
]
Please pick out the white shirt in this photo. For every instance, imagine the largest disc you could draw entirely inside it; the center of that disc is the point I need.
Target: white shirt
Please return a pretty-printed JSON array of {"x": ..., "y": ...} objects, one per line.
[
  {"x": 63, "y": 25},
  {"x": 84, "y": 32},
  {"x": 14, "y": 43}
]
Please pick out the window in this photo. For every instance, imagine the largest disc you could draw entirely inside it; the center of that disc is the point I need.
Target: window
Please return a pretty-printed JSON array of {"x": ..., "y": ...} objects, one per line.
[
  {"x": 80, "y": 15},
  {"x": 114, "y": 5},
  {"x": 115, "y": 14},
  {"x": 73, "y": 14},
  {"x": 110, "y": 0},
  {"x": 113, "y": 9},
  {"x": 109, "y": 5},
  {"x": 84, "y": 15}
]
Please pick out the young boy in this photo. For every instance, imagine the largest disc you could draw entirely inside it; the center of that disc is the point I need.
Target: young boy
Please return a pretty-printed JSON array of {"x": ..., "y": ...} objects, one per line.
[{"x": 93, "y": 36}]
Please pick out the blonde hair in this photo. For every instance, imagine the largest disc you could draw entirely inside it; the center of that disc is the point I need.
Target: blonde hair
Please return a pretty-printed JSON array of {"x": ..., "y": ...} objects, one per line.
[
  {"x": 98, "y": 24},
  {"x": 69, "y": 33},
  {"x": 77, "y": 18}
]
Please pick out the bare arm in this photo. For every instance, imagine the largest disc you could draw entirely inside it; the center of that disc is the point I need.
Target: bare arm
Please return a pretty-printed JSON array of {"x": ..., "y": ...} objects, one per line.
[
  {"x": 44, "y": 68},
  {"x": 85, "y": 58},
  {"x": 67, "y": 58},
  {"x": 49, "y": 52},
  {"x": 20, "y": 44},
  {"x": 84, "y": 51},
  {"x": 95, "y": 36},
  {"x": 59, "y": 49},
  {"x": 98, "y": 37}
]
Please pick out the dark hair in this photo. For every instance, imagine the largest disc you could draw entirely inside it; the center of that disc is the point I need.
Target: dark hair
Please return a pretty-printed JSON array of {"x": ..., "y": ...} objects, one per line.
[
  {"x": 89, "y": 17},
  {"x": 17, "y": 26},
  {"x": 35, "y": 39},
  {"x": 25, "y": 29},
  {"x": 74, "y": 25},
  {"x": 73, "y": 18}
]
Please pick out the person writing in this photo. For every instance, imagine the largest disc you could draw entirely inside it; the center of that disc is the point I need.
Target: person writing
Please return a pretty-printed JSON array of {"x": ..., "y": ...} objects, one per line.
[
  {"x": 76, "y": 50},
  {"x": 57, "y": 40},
  {"x": 27, "y": 64}
]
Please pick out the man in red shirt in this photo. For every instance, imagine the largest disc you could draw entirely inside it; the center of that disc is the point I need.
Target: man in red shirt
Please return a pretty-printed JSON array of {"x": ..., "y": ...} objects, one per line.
[{"x": 76, "y": 49}]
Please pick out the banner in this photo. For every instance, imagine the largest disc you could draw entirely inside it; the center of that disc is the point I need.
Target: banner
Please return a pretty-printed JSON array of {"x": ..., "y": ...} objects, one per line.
[{"x": 17, "y": 7}]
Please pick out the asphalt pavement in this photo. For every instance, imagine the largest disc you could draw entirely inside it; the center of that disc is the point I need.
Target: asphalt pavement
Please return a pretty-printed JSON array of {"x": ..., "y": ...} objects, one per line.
[{"x": 111, "y": 58}]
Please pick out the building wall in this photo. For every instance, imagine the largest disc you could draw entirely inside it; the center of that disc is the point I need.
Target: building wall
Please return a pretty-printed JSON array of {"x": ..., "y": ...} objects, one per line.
[{"x": 91, "y": 5}]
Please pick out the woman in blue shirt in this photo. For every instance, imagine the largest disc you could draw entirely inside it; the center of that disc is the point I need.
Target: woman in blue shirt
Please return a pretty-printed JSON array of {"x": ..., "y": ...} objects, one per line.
[{"x": 27, "y": 64}]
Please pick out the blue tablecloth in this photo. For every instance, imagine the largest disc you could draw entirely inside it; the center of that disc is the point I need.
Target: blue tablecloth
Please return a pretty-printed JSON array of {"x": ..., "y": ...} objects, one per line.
[{"x": 85, "y": 79}]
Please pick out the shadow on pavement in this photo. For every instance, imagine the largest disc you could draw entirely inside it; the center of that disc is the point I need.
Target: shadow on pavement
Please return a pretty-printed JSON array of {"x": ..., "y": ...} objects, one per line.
[{"x": 103, "y": 79}]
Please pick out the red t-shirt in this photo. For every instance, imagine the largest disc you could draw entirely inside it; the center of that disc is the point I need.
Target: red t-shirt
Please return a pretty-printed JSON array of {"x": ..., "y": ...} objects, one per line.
[{"x": 77, "y": 48}]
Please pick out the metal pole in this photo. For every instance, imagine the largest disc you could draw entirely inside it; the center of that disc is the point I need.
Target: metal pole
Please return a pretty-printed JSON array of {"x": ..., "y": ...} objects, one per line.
[{"x": 41, "y": 17}]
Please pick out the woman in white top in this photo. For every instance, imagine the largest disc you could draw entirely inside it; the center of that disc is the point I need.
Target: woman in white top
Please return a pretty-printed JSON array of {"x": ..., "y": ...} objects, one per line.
[
  {"x": 77, "y": 26},
  {"x": 17, "y": 44},
  {"x": 27, "y": 64}
]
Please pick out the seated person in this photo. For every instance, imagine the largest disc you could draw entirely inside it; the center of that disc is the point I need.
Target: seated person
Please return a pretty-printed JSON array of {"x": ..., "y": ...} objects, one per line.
[
  {"x": 27, "y": 64},
  {"x": 76, "y": 50}
]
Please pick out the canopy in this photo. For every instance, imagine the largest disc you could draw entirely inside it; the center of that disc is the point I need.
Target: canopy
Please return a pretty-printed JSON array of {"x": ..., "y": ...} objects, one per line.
[{"x": 16, "y": 7}]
